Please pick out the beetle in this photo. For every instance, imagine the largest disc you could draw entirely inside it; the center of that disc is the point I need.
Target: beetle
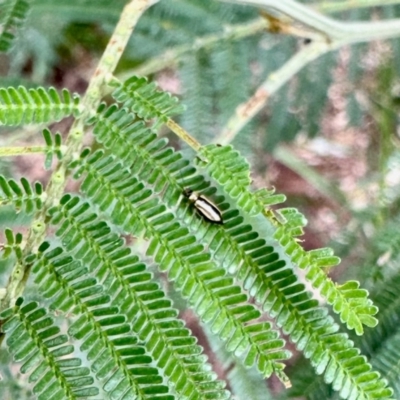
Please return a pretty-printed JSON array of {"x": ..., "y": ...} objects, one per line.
[{"x": 206, "y": 208}]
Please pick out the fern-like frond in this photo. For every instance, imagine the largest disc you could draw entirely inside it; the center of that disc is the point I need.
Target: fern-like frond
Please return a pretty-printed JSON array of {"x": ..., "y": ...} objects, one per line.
[
  {"x": 212, "y": 295},
  {"x": 276, "y": 288},
  {"x": 231, "y": 171},
  {"x": 146, "y": 100},
  {"x": 116, "y": 358},
  {"x": 386, "y": 297},
  {"x": 140, "y": 150},
  {"x": 86, "y": 11},
  {"x": 116, "y": 192},
  {"x": 138, "y": 297},
  {"x": 195, "y": 74},
  {"x": 376, "y": 344},
  {"x": 263, "y": 271},
  {"x": 308, "y": 385},
  {"x": 348, "y": 300},
  {"x": 34, "y": 340},
  {"x": 32, "y": 106},
  {"x": 12, "y": 15},
  {"x": 21, "y": 196},
  {"x": 387, "y": 362},
  {"x": 245, "y": 383},
  {"x": 287, "y": 299}
]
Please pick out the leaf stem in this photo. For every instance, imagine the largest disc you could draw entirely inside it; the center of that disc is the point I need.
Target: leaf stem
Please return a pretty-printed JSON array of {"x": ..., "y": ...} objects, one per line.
[
  {"x": 22, "y": 150},
  {"x": 183, "y": 134}
]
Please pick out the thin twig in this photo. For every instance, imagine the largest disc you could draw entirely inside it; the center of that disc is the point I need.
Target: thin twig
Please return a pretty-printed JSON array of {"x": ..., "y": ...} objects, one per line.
[
  {"x": 172, "y": 56},
  {"x": 333, "y": 35},
  {"x": 287, "y": 157},
  {"x": 107, "y": 64},
  {"x": 246, "y": 111},
  {"x": 183, "y": 134},
  {"x": 340, "y": 32},
  {"x": 336, "y": 6},
  {"x": 22, "y": 150}
]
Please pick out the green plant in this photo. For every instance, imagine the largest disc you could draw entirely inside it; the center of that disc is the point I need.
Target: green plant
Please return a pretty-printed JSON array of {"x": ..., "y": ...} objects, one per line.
[{"x": 84, "y": 310}]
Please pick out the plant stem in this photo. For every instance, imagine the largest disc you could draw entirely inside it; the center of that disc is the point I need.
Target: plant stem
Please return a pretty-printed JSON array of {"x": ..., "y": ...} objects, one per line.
[
  {"x": 290, "y": 160},
  {"x": 336, "y": 6},
  {"x": 183, "y": 134},
  {"x": 332, "y": 35},
  {"x": 107, "y": 64},
  {"x": 339, "y": 32},
  {"x": 22, "y": 150},
  {"x": 172, "y": 57},
  {"x": 246, "y": 111}
]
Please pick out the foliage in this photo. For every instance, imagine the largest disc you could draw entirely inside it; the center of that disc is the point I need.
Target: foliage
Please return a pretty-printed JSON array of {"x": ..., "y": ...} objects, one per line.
[
  {"x": 34, "y": 339},
  {"x": 13, "y": 14},
  {"x": 96, "y": 319},
  {"x": 21, "y": 196},
  {"x": 21, "y": 106}
]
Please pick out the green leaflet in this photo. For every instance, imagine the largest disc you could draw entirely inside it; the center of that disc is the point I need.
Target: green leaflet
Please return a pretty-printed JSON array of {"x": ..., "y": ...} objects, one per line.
[
  {"x": 21, "y": 196},
  {"x": 54, "y": 147},
  {"x": 33, "y": 106},
  {"x": 12, "y": 245},
  {"x": 144, "y": 99},
  {"x": 232, "y": 171}
]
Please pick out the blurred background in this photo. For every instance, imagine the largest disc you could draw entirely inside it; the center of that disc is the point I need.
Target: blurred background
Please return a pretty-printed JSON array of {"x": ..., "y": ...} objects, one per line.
[{"x": 329, "y": 139}]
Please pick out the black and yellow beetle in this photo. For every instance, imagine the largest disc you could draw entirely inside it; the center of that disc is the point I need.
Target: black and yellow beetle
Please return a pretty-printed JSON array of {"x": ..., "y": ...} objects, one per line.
[{"x": 208, "y": 210}]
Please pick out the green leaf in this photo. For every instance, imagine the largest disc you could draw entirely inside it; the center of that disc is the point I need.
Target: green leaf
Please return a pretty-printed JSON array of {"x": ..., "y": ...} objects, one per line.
[
  {"x": 20, "y": 106},
  {"x": 13, "y": 14},
  {"x": 146, "y": 101},
  {"x": 169, "y": 240},
  {"x": 33, "y": 339},
  {"x": 21, "y": 197}
]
